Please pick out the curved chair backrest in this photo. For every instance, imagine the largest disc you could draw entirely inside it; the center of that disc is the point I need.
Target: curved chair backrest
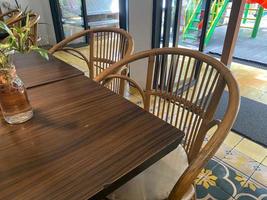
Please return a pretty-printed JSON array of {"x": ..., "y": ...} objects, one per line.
[
  {"x": 183, "y": 87},
  {"x": 106, "y": 46},
  {"x": 33, "y": 25},
  {"x": 10, "y": 16}
]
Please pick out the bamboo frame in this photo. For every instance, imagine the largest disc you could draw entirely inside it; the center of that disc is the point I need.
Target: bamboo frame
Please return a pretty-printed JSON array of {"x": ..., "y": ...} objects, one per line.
[
  {"x": 107, "y": 46},
  {"x": 189, "y": 109},
  {"x": 12, "y": 16},
  {"x": 33, "y": 24}
]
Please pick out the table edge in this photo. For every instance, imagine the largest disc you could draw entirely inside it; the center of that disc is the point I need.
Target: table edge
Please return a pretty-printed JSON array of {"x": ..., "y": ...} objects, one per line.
[{"x": 108, "y": 189}]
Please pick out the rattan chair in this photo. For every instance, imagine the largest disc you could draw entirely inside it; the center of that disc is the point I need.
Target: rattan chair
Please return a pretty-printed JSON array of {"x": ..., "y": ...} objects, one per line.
[
  {"x": 33, "y": 25},
  {"x": 183, "y": 87},
  {"x": 10, "y": 16},
  {"x": 106, "y": 46}
]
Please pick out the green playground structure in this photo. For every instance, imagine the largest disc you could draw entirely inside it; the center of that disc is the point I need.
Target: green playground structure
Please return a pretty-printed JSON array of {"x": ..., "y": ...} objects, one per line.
[{"x": 193, "y": 21}]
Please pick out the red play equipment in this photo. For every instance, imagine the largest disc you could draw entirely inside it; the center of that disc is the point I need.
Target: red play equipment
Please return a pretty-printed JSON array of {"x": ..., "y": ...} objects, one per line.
[{"x": 263, "y": 3}]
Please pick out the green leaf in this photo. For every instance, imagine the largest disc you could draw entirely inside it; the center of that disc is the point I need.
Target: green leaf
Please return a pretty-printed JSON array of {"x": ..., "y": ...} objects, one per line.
[
  {"x": 19, "y": 39},
  {"x": 5, "y": 46},
  {"x": 42, "y": 52},
  {"x": 4, "y": 27}
]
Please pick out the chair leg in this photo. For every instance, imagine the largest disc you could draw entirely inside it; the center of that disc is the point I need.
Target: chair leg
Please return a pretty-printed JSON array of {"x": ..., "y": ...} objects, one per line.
[
  {"x": 194, "y": 197},
  {"x": 122, "y": 83}
]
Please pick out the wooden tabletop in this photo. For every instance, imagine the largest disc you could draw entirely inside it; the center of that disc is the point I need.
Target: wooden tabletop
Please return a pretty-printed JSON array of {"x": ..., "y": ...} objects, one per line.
[
  {"x": 83, "y": 142},
  {"x": 35, "y": 70}
]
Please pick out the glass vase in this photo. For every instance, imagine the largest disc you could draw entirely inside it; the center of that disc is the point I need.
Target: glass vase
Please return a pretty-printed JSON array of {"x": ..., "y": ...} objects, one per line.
[{"x": 14, "y": 102}]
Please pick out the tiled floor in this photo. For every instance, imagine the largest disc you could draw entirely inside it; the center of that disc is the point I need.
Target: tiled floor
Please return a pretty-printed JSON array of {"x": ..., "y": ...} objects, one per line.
[
  {"x": 252, "y": 81},
  {"x": 239, "y": 168},
  {"x": 240, "y": 165}
]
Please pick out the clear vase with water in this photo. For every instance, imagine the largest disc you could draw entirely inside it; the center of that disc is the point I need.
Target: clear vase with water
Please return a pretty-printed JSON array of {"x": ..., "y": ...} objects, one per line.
[{"x": 14, "y": 102}]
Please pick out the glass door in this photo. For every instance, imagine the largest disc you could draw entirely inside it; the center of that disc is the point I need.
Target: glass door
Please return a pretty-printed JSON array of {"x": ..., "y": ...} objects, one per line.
[
  {"x": 72, "y": 16},
  {"x": 68, "y": 16},
  {"x": 102, "y": 13},
  {"x": 165, "y": 23}
]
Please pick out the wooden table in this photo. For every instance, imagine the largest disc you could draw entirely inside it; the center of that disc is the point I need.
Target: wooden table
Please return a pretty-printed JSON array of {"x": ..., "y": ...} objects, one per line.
[
  {"x": 83, "y": 142},
  {"x": 35, "y": 70}
]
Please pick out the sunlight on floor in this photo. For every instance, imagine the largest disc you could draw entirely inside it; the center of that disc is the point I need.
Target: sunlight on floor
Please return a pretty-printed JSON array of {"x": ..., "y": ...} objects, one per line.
[{"x": 252, "y": 81}]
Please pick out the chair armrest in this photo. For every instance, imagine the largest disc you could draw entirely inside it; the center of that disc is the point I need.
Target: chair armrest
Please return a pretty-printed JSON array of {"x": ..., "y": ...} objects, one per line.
[
  {"x": 10, "y": 12},
  {"x": 199, "y": 162},
  {"x": 126, "y": 78}
]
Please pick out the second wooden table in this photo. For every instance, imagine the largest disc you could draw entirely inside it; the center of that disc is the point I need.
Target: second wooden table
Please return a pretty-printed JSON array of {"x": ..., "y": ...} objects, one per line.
[{"x": 35, "y": 70}]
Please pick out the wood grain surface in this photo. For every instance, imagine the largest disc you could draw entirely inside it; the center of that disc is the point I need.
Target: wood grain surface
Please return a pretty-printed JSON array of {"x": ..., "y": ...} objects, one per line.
[
  {"x": 35, "y": 70},
  {"x": 83, "y": 142}
]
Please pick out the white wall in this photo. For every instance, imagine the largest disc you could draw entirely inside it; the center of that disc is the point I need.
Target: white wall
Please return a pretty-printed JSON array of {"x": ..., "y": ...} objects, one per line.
[
  {"x": 140, "y": 27},
  {"x": 42, "y": 7},
  {"x": 46, "y": 31}
]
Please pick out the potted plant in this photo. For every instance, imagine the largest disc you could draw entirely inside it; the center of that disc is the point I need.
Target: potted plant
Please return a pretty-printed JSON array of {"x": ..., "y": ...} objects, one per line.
[{"x": 14, "y": 102}]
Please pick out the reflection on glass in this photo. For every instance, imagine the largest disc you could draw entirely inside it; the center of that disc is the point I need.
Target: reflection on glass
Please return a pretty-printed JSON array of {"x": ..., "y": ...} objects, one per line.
[
  {"x": 102, "y": 13},
  {"x": 72, "y": 18},
  {"x": 164, "y": 20},
  {"x": 99, "y": 13},
  {"x": 191, "y": 21},
  {"x": 193, "y": 18}
]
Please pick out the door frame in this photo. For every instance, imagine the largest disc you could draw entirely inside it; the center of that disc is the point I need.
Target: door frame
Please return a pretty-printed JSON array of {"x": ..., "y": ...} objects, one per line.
[
  {"x": 157, "y": 21},
  {"x": 229, "y": 40},
  {"x": 56, "y": 16},
  {"x": 58, "y": 25},
  {"x": 124, "y": 14}
]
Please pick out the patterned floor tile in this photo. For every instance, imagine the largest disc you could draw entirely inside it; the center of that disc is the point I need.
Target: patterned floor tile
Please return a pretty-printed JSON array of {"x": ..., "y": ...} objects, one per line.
[
  {"x": 209, "y": 135},
  {"x": 252, "y": 191},
  {"x": 260, "y": 175},
  {"x": 229, "y": 143},
  {"x": 264, "y": 162},
  {"x": 251, "y": 149},
  {"x": 229, "y": 180},
  {"x": 208, "y": 168},
  {"x": 241, "y": 162},
  {"x": 223, "y": 151},
  {"x": 220, "y": 181},
  {"x": 232, "y": 139},
  {"x": 211, "y": 193}
]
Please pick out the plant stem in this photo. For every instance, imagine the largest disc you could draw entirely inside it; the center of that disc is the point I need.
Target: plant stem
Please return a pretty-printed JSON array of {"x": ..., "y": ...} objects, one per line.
[{"x": 17, "y": 3}]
